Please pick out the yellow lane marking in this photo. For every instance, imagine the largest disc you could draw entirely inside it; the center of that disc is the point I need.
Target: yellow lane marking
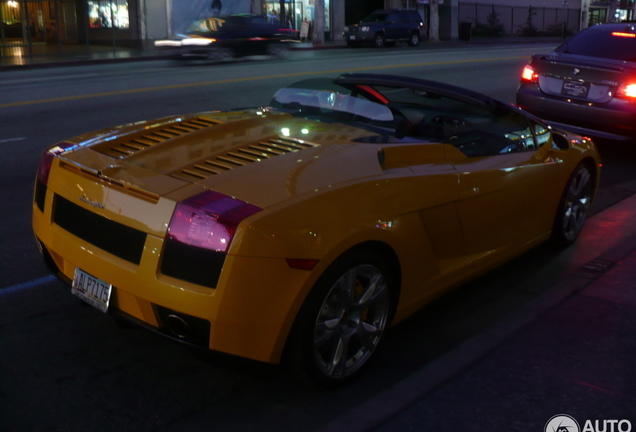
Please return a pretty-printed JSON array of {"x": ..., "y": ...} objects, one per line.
[{"x": 234, "y": 80}]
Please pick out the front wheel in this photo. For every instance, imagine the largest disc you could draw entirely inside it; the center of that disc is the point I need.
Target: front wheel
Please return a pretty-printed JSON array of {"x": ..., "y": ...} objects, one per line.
[
  {"x": 574, "y": 206},
  {"x": 343, "y": 319},
  {"x": 379, "y": 40}
]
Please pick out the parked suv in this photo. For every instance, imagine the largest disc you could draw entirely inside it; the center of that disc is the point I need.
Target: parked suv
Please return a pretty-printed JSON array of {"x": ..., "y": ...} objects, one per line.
[{"x": 385, "y": 27}]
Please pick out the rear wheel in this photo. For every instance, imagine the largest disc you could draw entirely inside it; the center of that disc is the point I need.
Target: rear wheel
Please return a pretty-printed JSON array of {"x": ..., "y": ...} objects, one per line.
[
  {"x": 414, "y": 39},
  {"x": 343, "y": 319},
  {"x": 379, "y": 40},
  {"x": 574, "y": 206},
  {"x": 278, "y": 50},
  {"x": 220, "y": 55}
]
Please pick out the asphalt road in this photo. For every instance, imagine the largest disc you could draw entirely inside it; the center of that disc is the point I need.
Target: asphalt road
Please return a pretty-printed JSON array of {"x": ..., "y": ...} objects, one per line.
[{"x": 67, "y": 367}]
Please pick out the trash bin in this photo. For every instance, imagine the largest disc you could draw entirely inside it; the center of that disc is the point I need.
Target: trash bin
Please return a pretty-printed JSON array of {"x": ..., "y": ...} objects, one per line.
[{"x": 464, "y": 31}]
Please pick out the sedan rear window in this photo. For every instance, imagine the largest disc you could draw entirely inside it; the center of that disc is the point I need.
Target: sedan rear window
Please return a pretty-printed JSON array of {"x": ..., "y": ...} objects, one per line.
[{"x": 602, "y": 42}]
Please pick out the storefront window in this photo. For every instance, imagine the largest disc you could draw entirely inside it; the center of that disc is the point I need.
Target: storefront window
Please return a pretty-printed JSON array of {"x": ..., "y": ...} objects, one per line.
[
  {"x": 108, "y": 14},
  {"x": 597, "y": 16},
  {"x": 296, "y": 11},
  {"x": 10, "y": 12}
]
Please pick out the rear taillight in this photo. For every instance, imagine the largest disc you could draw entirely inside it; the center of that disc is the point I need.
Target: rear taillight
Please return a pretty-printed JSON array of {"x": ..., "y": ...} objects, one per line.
[
  {"x": 529, "y": 75},
  {"x": 209, "y": 220},
  {"x": 46, "y": 160},
  {"x": 627, "y": 91},
  {"x": 624, "y": 34}
]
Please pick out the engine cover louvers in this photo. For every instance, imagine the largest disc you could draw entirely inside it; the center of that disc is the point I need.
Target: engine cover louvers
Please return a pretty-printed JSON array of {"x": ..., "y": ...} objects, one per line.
[
  {"x": 255, "y": 152},
  {"x": 134, "y": 143}
]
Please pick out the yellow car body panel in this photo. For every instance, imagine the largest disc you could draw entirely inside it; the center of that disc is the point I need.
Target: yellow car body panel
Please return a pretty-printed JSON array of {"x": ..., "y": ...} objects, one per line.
[{"x": 444, "y": 216}]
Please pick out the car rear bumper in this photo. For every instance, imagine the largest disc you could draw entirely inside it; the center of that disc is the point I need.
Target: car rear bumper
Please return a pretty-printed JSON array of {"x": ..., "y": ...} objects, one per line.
[
  {"x": 247, "y": 314},
  {"x": 358, "y": 37},
  {"x": 617, "y": 117}
]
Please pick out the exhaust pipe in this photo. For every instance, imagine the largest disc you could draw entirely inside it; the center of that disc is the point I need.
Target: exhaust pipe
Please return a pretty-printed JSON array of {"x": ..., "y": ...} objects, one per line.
[
  {"x": 183, "y": 327},
  {"x": 177, "y": 326}
]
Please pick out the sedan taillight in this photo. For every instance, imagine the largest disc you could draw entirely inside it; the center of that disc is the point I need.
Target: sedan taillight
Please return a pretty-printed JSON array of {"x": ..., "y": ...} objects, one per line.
[
  {"x": 46, "y": 160},
  {"x": 627, "y": 91},
  {"x": 209, "y": 220},
  {"x": 529, "y": 75}
]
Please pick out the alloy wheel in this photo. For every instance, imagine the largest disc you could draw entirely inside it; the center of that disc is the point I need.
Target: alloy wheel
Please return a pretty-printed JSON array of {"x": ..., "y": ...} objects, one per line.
[
  {"x": 577, "y": 203},
  {"x": 351, "y": 321},
  {"x": 380, "y": 40},
  {"x": 414, "y": 39}
]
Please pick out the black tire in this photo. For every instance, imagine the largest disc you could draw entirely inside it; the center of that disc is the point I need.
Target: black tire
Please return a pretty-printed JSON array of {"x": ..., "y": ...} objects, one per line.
[
  {"x": 414, "y": 39},
  {"x": 343, "y": 319},
  {"x": 574, "y": 206},
  {"x": 379, "y": 40},
  {"x": 278, "y": 50},
  {"x": 220, "y": 55}
]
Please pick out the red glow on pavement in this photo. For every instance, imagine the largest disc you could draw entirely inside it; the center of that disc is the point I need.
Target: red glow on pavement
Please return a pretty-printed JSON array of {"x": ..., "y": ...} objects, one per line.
[{"x": 591, "y": 386}]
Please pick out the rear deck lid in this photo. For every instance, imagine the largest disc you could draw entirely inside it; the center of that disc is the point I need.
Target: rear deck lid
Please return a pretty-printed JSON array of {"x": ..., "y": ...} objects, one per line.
[{"x": 590, "y": 67}]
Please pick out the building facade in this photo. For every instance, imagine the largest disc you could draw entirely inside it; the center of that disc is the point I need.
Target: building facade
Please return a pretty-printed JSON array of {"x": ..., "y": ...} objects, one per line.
[{"x": 29, "y": 27}]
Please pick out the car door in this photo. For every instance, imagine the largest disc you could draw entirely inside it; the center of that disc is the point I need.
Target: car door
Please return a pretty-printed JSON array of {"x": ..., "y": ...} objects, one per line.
[
  {"x": 507, "y": 199},
  {"x": 405, "y": 24},
  {"x": 392, "y": 26}
]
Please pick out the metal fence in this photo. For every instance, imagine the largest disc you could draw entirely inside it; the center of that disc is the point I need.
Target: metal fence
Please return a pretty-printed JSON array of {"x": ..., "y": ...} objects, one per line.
[{"x": 498, "y": 20}]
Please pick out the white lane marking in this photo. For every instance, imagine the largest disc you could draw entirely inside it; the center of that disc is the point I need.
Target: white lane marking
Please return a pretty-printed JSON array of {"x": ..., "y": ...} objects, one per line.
[
  {"x": 27, "y": 285},
  {"x": 12, "y": 139}
]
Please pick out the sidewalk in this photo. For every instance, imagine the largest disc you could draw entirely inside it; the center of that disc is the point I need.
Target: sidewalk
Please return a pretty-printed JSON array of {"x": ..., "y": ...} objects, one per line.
[{"x": 569, "y": 351}]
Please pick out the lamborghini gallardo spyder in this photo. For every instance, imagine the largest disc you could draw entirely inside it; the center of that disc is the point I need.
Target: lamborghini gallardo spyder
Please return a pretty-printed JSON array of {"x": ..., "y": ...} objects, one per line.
[{"x": 298, "y": 231}]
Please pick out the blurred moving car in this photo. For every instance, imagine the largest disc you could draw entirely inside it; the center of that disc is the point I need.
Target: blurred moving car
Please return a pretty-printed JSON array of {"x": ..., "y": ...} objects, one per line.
[
  {"x": 225, "y": 37},
  {"x": 298, "y": 232},
  {"x": 385, "y": 27},
  {"x": 587, "y": 83}
]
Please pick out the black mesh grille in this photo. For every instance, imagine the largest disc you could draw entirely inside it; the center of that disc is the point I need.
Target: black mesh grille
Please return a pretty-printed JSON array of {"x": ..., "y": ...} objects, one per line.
[
  {"x": 120, "y": 240},
  {"x": 192, "y": 264}
]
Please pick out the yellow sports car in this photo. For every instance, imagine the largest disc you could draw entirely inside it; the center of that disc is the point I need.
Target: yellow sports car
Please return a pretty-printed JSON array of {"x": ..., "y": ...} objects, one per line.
[{"x": 300, "y": 230}]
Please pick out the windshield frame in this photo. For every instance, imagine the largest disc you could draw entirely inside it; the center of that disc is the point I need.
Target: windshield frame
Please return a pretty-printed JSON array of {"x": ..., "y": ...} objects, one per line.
[{"x": 321, "y": 98}]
